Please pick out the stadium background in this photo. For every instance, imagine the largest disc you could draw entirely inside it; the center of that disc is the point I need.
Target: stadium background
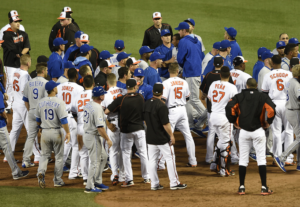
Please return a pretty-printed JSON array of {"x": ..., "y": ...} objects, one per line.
[{"x": 258, "y": 23}]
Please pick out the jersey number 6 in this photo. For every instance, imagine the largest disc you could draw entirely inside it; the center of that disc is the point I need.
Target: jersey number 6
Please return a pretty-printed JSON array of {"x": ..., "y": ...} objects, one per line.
[
  {"x": 280, "y": 86},
  {"x": 16, "y": 87}
]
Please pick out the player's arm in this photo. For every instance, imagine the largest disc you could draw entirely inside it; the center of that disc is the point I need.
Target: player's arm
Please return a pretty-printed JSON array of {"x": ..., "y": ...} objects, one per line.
[
  {"x": 2, "y": 109},
  {"x": 4, "y": 92},
  {"x": 168, "y": 129},
  {"x": 99, "y": 123},
  {"x": 182, "y": 51},
  {"x": 232, "y": 109},
  {"x": 26, "y": 45},
  {"x": 103, "y": 134},
  {"x": 61, "y": 112},
  {"x": 270, "y": 108},
  {"x": 146, "y": 41},
  {"x": 114, "y": 106}
]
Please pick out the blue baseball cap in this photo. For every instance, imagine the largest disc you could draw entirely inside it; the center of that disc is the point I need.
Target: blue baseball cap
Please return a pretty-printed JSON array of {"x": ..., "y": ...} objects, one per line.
[
  {"x": 266, "y": 55},
  {"x": 154, "y": 56},
  {"x": 105, "y": 54},
  {"x": 122, "y": 55},
  {"x": 280, "y": 44},
  {"x": 225, "y": 44},
  {"x": 217, "y": 45},
  {"x": 50, "y": 85},
  {"x": 59, "y": 41},
  {"x": 260, "y": 51},
  {"x": 119, "y": 44},
  {"x": 145, "y": 49},
  {"x": 165, "y": 32},
  {"x": 78, "y": 34},
  {"x": 294, "y": 41},
  {"x": 98, "y": 91},
  {"x": 183, "y": 25},
  {"x": 231, "y": 31},
  {"x": 190, "y": 20},
  {"x": 69, "y": 64},
  {"x": 138, "y": 72},
  {"x": 85, "y": 48}
]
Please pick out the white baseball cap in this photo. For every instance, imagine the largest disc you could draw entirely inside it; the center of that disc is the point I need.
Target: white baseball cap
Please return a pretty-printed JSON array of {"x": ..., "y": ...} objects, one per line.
[
  {"x": 64, "y": 15},
  {"x": 84, "y": 38},
  {"x": 156, "y": 15},
  {"x": 67, "y": 9},
  {"x": 13, "y": 13}
]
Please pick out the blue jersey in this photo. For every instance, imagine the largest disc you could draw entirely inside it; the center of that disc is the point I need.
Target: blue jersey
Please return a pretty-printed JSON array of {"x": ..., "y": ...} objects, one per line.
[
  {"x": 146, "y": 91},
  {"x": 55, "y": 65},
  {"x": 256, "y": 69},
  {"x": 235, "y": 50},
  {"x": 121, "y": 85},
  {"x": 151, "y": 76},
  {"x": 163, "y": 50},
  {"x": 69, "y": 51},
  {"x": 2, "y": 108},
  {"x": 210, "y": 65}
]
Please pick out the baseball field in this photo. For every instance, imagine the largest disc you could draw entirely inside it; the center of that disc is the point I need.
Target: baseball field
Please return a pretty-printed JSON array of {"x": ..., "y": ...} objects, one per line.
[{"x": 258, "y": 24}]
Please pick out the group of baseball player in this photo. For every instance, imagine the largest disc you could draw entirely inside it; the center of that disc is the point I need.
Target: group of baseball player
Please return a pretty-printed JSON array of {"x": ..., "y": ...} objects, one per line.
[{"x": 100, "y": 110}]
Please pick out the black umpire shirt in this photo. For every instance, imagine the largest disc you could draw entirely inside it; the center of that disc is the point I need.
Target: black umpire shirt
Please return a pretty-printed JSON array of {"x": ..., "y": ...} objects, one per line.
[
  {"x": 207, "y": 81},
  {"x": 156, "y": 114},
  {"x": 130, "y": 110},
  {"x": 13, "y": 44},
  {"x": 152, "y": 36},
  {"x": 94, "y": 59}
]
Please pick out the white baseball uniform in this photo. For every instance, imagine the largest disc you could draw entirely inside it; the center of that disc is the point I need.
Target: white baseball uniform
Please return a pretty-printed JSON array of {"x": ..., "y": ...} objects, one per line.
[
  {"x": 67, "y": 92},
  {"x": 274, "y": 83},
  {"x": 239, "y": 79},
  {"x": 115, "y": 154},
  {"x": 20, "y": 78},
  {"x": 113, "y": 59},
  {"x": 205, "y": 61},
  {"x": 176, "y": 92},
  {"x": 261, "y": 76},
  {"x": 220, "y": 93},
  {"x": 285, "y": 64},
  {"x": 77, "y": 107}
]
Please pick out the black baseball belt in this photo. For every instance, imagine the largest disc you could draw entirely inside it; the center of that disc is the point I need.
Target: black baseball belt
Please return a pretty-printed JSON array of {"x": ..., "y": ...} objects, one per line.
[{"x": 175, "y": 106}]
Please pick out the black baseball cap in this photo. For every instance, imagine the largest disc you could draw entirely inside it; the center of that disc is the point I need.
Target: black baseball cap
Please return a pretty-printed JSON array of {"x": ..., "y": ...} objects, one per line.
[
  {"x": 132, "y": 61},
  {"x": 42, "y": 59},
  {"x": 218, "y": 61},
  {"x": 158, "y": 88},
  {"x": 239, "y": 60},
  {"x": 294, "y": 61},
  {"x": 105, "y": 64},
  {"x": 131, "y": 82}
]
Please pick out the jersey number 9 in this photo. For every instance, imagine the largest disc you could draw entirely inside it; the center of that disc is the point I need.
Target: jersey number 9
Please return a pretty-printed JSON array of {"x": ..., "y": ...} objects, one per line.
[
  {"x": 35, "y": 93},
  {"x": 49, "y": 114}
]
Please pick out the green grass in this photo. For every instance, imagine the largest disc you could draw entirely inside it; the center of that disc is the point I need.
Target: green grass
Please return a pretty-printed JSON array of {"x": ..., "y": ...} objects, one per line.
[
  {"x": 258, "y": 23},
  {"x": 48, "y": 197}
]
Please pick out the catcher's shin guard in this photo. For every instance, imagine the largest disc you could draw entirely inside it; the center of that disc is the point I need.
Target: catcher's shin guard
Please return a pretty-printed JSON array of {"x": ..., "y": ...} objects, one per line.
[
  {"x": 216, "y": 160},
  {"x": 226, "y": 159}
]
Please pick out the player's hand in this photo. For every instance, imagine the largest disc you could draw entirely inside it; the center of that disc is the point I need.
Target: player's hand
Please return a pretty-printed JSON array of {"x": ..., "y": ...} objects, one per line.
[
  {"x": 6, "y": 119},
  {"x": 39, "y": 135},
  {"x": 267, "y": 125},
  {"x": 112, "y": 127},
  {"x": 18, "y": 56},
  {"x": 172, "y": 141},
  {"x": 236, "y": 126},
  {"x": 109, "y": 143},
  {"x": 67, "y": 138},
  {"x": 5, "y": 96}
]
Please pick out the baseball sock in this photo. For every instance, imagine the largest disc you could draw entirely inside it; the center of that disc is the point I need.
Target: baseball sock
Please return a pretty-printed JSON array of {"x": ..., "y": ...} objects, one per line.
[
  {"x": 242, "y": 174},
  {"x": 263, "y": 174}
]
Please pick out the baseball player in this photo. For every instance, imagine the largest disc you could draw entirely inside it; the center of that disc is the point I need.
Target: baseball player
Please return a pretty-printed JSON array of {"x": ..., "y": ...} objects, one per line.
[
  {"x": 219, "y": 93},
  {"x": 34, "y": 91},
  {"x": 12, "y": 13},
  {"x": 274, "y": 84},
  {"x": 144, "y": 89},
  {"x": 79, "y": 102},
  {"x": 210, "y": 55},
  {"x": 113, "y": 131},
  {"x": 5, "y": 144},
  {"x": 20, "y": 78},
  {"x": 124, "y": 75},
  {"x": 67, "y": 92},
  {"x": 145, "y": 53},
  {"x": 51, "y": 115},
  {"x": 160, "y": 139},
  {"x": 118, "y": 47},
  {"x": 151, "y": 73},
  {"x": 192, "y": 23},
  {"x": 247, "y": 111},
  {"x": 94, "y": 133},
  {"x": 266, "y": 57},
  {"x": 259, "y": 64},
  {"x": 55, "y": 64},
  {"x": 238, "y": 74},
  {"x": 230, "y": 34},
  {"x": 290, "y": 51},
  {"x": 282, "y": 37},
  {"x": 292, "y": 115},
  {"x": 176, "y": 93},
  {"x": 280, "y": 48}
]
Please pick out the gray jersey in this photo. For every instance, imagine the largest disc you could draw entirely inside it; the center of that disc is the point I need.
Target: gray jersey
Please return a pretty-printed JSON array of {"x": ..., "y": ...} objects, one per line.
[
  {"x": 143, "y": 64},
  {"x": 34, "y": 91},
  {"x": 293, "y": 93},
  {"x": 62, "y": 79},
  {"x": 51, "y": 110},
  {"x": 93, "y": 117}
]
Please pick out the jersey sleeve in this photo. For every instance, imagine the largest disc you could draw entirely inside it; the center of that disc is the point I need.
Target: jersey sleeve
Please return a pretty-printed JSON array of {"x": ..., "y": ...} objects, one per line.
[
  {"x": 25, "y": 92},
  {"x": 26, "y": 42},
  {"x": 2, "y": 106},
  {"x": 115, "y": 105},
  {"x": 165, "y": 94},
  {"x": 61, "y": 110},
  {"x": 2, "y": 88},
  {"x": 209, "y": 93},
  {"x": 23, "y": 82}
]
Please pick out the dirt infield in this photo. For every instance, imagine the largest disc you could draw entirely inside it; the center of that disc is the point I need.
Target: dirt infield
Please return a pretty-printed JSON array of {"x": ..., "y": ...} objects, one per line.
[{"x": 204, "y": 187}]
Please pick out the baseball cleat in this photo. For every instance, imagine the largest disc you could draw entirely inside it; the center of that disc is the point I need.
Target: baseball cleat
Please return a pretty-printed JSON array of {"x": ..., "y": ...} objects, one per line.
[
  {"x": 128, "y": 184},
  {"x": 106, "y": 167},
  {"x": 41, "y": 180},
  {"x": 60, "y": 184},
  {"x": 22, "y": 175},
  {"x": 36, "y": 162},
  {"x": 137, "y": 154},
  {"x": 228, "y": 173},
  {"x": 252, "y": 157},
  {"x": 93, "y": 190},
  {"x": 115, "y": 180},
  {"x": 269, "y": 154},
  {"x": 298, "y": 168},
  {"x": 27, "y": 165},
  {"x": 198, "y": 132},
  {"x": 159, "y": 187},
  {"x": 290, "y": 163},
  {"x": 147, "y": 181},
  {"x": 101, "y": 186},
  {"x": 178, "y": 187},
  {"x": 84, "y": 182},
  {"x": 279, "y": 163},
  {"x": 241, "y": 190},
  {"x": 66, "y": 169},
  {"x": 206, "y": 129},
  {"x": 266, "y": 191},
  {"x": 189, "y": 165},
  {"x": 73, "y": 178}
]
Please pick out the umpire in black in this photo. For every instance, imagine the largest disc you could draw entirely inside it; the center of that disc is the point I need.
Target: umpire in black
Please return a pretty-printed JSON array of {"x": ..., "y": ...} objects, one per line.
[{"x": 160, "y": 139}]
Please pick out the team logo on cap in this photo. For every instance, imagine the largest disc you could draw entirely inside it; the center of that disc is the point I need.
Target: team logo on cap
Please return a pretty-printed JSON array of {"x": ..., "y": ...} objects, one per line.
[
  {"x": 83, "y": 37},
  {"x": 166, "y": 30},
  {"x": 68, "y": 8},
  {"x": 189, "y": 19},
  {"x": 15, "y": 12},
  {"x": 280, "y": 43},
  {"x": 61, "y": 14},
  {"x": 156, "y": 14},
  {"x": 139, "y": 71}
]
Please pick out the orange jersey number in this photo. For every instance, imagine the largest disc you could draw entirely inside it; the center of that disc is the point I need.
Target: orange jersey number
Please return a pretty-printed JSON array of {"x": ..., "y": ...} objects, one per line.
[
  {"x": 215, "y": 95},
  {"x": 178, "y": 92},
  {"x": 280, "y": 86},
  {"x": 16, "y": 86},
  {"x": 67, "y": 97},
  {"x": 82, "y": 103}
]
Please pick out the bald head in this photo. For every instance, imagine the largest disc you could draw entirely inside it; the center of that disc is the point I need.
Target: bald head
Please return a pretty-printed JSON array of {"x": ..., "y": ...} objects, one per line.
[{"x": 251, "y": 83}]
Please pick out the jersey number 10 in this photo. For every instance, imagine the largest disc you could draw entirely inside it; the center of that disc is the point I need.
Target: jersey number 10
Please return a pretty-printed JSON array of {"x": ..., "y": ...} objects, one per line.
[{"x": 67, "y": 97}]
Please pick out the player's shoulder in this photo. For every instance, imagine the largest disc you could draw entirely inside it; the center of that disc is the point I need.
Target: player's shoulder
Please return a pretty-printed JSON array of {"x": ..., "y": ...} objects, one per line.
[{"x": 150, "y": 28}]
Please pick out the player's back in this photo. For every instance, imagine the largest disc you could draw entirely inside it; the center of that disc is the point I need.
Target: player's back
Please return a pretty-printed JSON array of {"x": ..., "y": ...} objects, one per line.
[
  {"x": 35, "y": 90},
  {"x": 176, "y": 91},
  {"x": 239, "y": 79},
  {"x": 91, "y": 110},
  {"x": 112, "y": 94},
  {"x": 275, "y": 82},
  {"x": 20, "y": 78},
  {"x": 67, "y": 92},
  {"x": 79, "y": 102},
  {"x": 219, "y": 93}
]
